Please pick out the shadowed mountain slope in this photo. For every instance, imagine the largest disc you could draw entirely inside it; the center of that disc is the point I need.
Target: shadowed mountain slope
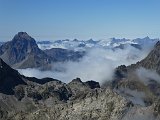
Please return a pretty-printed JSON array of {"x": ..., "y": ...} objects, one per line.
[
  {"x": 23, "y": 52},
  {"x": 9, "y": 78}
]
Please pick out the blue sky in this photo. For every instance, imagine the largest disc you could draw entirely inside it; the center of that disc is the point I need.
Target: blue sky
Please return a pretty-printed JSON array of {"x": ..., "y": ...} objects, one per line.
[{"x": 82, "y": 19}]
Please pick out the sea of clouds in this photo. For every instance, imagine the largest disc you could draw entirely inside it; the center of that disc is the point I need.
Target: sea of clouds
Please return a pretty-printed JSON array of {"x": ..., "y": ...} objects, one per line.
[{"x": 98, "y": 64}]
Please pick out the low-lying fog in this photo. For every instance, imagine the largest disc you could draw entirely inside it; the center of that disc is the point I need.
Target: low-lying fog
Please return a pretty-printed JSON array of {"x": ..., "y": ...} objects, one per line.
[{"x": 98, "y": 64}]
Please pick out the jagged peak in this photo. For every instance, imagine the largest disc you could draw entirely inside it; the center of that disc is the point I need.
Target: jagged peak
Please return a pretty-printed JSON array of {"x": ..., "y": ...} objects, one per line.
[
  {"x": 22, "y": 33},
  {"x": 76, "y": 40},
  {"x": 92, "y": 84},
  {"x": 147, "y": 37},
  {"x": 90, "y": 40},
  {"x": 22, "y": 36},
  {"x": 77, "y": 80}
]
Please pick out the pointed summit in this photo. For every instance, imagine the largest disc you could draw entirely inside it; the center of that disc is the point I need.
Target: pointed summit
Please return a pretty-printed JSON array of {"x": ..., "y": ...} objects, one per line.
[
  {"x": 23, "y": 52},
  {"x": 22, "y": 36},
  {"x": 147, "y": 38}
]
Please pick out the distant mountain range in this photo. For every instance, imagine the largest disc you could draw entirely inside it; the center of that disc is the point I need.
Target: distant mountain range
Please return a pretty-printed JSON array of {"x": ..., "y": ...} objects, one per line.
[{"x": 112, "y": 43}]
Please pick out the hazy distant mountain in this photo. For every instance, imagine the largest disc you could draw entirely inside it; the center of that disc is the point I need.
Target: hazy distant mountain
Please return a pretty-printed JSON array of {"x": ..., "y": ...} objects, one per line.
[
  {"x": 62, "y": 55},
  {"x": 111, "y": 43},
  {"x": 122, "y": 46}
]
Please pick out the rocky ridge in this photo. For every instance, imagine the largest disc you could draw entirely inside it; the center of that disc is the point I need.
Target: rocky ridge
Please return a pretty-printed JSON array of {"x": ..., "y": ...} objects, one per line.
[{"x": 141, "y": 80}]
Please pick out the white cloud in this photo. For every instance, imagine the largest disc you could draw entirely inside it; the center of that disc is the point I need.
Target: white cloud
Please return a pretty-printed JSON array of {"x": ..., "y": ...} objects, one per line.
[
  {"x": 145, "y": 75},
  {"x": 98, "y": 64}
]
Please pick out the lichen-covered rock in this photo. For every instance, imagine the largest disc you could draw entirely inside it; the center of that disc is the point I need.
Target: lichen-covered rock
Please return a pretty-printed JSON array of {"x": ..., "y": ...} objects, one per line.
[
  {"x": 97, "y": 105},
  {"x": 19, "y": 92}
]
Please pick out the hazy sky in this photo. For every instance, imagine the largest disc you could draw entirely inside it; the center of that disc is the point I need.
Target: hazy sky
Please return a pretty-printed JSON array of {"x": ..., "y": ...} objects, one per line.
[{"x": 82, "y": 19}]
